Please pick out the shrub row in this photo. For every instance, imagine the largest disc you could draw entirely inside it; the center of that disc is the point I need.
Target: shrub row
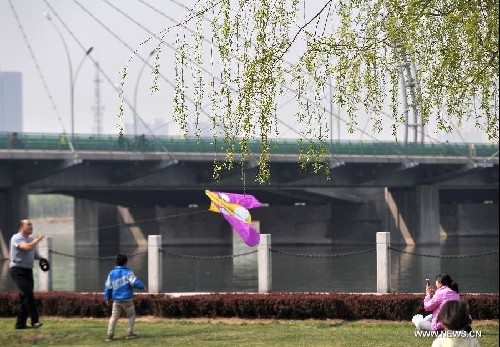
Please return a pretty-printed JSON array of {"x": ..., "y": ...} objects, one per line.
[{"x": 274, "y": 306}]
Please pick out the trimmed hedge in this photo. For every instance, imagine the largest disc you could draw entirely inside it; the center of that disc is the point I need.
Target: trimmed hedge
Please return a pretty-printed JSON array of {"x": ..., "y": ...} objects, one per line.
[{"x": 274, "y": 306}]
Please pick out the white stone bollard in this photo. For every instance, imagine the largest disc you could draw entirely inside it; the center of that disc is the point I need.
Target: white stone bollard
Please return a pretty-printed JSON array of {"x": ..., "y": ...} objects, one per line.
[
  {"x": 383, "y": 262},
  {"x": 264, "y": 263},
  {"x": 45, "y": 277},
  {"x": 155, "y": 269}
]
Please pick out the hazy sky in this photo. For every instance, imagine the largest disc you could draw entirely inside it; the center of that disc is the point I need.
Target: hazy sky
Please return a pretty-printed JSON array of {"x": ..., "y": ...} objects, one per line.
[
  {"x": 108, "y": 51},
  {"x": 95, "y": 23}
]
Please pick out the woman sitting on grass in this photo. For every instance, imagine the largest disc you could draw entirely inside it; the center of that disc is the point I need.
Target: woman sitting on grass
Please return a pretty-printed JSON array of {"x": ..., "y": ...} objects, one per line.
[{"x": 446, "y": 290}]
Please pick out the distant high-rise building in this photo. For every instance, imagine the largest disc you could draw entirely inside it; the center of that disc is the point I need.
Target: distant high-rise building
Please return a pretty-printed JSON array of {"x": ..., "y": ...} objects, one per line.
[{"x": 11, "y": 102}]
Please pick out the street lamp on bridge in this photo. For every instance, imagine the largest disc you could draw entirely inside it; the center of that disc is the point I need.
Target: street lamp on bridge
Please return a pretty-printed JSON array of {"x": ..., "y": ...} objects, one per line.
[
  {"x": 137, "y": 87},
  {"x": 72, "y": 77}
]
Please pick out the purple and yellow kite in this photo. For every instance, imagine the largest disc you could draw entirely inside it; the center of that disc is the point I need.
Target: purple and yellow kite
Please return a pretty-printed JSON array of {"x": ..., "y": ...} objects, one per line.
[{"x": 234, "y": 208}]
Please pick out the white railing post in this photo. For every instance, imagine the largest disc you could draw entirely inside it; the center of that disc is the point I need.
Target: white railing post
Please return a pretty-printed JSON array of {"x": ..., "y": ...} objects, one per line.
[
  {"x": 45, "y": 277},
  {"x": 383, "y": 262},
  {"x": 264, "y": 263},
  {"x": 155, "y": 271}
]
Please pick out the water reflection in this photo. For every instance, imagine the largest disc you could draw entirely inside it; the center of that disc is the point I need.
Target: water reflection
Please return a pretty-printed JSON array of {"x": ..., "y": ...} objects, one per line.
[
  {"x": 356, "y": 273},
  {"x": 198, "y": 275}
]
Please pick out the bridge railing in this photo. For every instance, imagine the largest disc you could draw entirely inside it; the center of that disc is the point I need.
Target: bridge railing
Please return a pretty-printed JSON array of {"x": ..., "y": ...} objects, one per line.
[{"x": 130, "y": 143}]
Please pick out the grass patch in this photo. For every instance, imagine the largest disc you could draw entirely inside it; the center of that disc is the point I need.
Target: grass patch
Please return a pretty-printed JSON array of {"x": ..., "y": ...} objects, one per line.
[{"x": 58, "y": 331}]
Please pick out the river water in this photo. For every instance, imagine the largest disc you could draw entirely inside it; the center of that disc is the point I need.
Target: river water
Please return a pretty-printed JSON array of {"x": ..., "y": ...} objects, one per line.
[{"x": 295, "y": 272}]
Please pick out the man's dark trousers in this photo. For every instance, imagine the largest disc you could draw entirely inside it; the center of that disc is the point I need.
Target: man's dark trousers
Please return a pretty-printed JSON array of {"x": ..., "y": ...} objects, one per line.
[{"x": 24, "y": 281}]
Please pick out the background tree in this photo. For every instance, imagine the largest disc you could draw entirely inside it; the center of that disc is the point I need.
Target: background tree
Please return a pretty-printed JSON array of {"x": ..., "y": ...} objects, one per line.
[
  {"x": 254, "y": 52},
  {"x": 42, "y": 206}
]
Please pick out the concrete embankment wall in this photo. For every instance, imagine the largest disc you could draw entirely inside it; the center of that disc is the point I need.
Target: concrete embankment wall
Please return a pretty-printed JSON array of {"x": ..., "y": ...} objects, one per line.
[{"x": 470, "y": 219}]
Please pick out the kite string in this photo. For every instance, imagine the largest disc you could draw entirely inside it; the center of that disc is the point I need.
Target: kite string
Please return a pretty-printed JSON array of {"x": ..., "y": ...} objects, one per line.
[
  {"x": 244, "y": 178},
  {"x": 135, "y": 223}
]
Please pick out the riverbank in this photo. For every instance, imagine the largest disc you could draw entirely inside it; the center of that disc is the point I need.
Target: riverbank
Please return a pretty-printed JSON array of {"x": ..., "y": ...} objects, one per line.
[{"x": 50, "y": 220}]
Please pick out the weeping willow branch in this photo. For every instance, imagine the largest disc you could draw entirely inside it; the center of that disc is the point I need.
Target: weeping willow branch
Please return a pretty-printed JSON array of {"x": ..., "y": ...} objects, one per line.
[{"x": 361, "y": 50}]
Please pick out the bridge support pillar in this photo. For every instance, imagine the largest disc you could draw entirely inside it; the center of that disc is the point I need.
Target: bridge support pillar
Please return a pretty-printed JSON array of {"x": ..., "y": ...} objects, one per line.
[
  {"x": 137, "y": 224},
  {"x": 96, "y": 227},
  {"x": 428, "y": 220},
  {"x": 96, "y": 235},
  {"x": 413, "y": 215},
  {"x": 14, "y": 207}
]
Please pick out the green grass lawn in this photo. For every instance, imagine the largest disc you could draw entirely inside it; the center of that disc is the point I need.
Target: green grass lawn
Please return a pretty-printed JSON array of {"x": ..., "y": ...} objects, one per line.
[{"x": 58, "y": 331}]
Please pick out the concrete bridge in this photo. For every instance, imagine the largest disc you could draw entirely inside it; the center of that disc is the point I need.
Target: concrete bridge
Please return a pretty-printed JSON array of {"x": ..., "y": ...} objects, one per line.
[{"x": 128, "y": 188}]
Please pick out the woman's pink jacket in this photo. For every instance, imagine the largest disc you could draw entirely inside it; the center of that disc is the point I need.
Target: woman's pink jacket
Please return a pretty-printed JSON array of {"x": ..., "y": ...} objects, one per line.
[{"x": 435, "y": 303}]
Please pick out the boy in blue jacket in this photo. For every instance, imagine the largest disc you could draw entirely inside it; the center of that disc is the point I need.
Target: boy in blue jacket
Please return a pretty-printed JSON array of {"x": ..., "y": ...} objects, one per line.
[{"x": 119, "y": 288}]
